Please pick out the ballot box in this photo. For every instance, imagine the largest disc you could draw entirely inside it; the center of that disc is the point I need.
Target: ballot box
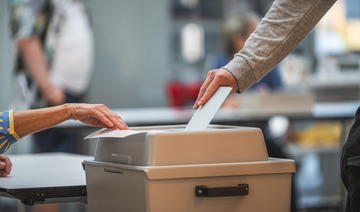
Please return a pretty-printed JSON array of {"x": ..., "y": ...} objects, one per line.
[{"x": 161, "y": 169}]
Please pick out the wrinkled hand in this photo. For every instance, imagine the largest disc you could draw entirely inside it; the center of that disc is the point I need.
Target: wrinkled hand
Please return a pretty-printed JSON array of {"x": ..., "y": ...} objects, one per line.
[
  {"x": 215, "y": 78},
  {"x": 97, "y": 115},
  {"x": 5, "y": 166},
  {"x": 54, "y": 95}
]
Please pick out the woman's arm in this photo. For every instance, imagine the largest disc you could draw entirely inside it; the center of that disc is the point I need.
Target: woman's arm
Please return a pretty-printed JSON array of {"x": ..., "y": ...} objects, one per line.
[
  {"x": 30, "y": 121},
  {"x": 14, "y": 125},
  {"x": 279, "y": 32}
]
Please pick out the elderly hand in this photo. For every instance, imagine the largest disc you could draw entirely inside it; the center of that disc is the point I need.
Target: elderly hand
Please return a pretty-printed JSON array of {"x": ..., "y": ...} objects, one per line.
[
  {"x": 97, "y": 115},
  {"x": 215, "y": 78},
  {"x": 5, "y": 165}
]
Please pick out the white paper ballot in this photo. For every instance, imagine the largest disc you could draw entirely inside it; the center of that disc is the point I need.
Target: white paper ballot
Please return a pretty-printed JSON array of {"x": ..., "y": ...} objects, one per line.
[
  {"x": 109, "y": 133},
  {"x": 204, "y": 114}
]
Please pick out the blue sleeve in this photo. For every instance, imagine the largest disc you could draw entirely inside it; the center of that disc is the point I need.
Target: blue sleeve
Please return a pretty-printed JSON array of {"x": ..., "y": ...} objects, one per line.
[
  {"x": 8, "y": 135},
  {"x": 221, "y": 61},
  {"x": 273, "y": 80}
]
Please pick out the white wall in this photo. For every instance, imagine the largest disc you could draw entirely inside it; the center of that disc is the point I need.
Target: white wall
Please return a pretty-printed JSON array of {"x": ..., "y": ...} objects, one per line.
[
  {"x": 5, "y": 57},
  {"x": 132, "y": 52}
]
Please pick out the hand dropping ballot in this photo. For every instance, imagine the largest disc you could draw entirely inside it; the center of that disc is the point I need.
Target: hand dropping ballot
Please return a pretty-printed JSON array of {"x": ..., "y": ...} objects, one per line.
[
  {"x": 205, "y": 113},
  {"x": 199, "y": 121}
]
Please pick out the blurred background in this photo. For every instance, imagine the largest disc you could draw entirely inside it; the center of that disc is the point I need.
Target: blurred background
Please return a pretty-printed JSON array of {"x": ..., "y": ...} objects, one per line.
[{"x": 137, "y": 54}]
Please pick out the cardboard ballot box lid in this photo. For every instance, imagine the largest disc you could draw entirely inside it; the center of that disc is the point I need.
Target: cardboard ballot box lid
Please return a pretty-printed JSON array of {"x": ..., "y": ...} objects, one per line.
[
  {"x": 171, "y": 145},
  {"x": 267, "y": 167}
]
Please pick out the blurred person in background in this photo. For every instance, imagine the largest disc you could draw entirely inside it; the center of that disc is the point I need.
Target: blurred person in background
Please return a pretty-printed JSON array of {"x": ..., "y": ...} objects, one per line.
[
  {"x": 236, "y": 30},
  {"x": 55, "y": 53}
]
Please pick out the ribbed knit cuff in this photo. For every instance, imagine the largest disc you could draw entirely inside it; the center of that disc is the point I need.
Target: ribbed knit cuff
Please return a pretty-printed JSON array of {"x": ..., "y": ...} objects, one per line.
[{"x": 242, "y": 71}]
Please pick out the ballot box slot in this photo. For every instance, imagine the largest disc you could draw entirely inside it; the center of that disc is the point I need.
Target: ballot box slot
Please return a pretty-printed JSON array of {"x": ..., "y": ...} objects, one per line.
[
  {"x": 206, "y": 191},
  {"x": 173, "y": 146}
]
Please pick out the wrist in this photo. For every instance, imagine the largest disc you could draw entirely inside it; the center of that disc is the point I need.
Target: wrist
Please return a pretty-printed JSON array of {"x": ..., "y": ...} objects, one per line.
[
  {"x": 233, "y": 79},
  {"x": 69, "y": 110}
]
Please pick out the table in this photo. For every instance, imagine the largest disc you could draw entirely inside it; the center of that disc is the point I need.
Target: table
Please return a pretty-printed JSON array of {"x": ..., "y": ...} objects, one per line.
[
  {"x": 169, "y": 116},
  {"x": 45, "y": 178}
]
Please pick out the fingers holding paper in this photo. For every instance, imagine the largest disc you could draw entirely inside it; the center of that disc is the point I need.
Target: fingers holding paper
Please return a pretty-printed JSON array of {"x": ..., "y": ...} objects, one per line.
[
  {"x": 98, "y": 115},
  {"x": 215, "y": 78}
]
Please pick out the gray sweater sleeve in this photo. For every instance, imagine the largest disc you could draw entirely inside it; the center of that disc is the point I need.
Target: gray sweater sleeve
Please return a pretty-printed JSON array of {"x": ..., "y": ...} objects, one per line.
[{"x": 279, "y": 32}]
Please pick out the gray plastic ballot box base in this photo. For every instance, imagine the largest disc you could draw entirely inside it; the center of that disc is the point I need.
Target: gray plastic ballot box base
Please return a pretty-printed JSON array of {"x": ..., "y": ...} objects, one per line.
[{"x": 45, "y": 178}]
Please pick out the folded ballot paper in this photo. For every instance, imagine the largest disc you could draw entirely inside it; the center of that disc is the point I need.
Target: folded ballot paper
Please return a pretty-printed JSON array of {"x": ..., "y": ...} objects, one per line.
[
  {"x": 203, "y": 115},
  {"x": 198, "y": 122}
]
